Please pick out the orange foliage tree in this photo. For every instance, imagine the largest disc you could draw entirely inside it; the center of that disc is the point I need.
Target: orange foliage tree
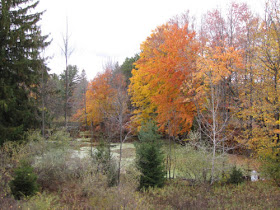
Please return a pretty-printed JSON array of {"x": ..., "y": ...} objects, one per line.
[
  {"x": 99, "y": 99},
  {"x": 166, "y": 62}
]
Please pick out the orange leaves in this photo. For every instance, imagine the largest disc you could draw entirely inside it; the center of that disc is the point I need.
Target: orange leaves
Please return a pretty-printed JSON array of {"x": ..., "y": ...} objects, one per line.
[
  {"x": 166, "y": 62},
  {"x": 106, "y": 98},
  {"x": 99, "y": 97}
]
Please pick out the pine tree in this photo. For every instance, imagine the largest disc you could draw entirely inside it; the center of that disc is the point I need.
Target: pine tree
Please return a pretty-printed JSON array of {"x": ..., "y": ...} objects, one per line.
[
  {"x": 20, "y": 67},
  {"x": 24, "y": 182},
  {"x": 150, "y": 157},
  {"x": 72, "y": 81}
]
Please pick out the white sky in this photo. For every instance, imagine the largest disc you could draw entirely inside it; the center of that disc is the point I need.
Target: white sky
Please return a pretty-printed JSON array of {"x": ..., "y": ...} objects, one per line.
[{"x": 111, "y": 29}]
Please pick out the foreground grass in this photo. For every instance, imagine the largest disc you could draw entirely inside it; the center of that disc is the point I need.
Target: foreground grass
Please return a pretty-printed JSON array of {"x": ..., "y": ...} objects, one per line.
[
  {"x": 175, "y": 195},
  {"x": 249, "y": 195}
]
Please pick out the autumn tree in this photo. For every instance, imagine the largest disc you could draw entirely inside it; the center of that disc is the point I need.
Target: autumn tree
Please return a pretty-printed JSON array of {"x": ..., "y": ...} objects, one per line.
[
  {"x": 214, "y": 67},
  {"x": 265, "y": 135},
  {"x": 166, "y": 62},
  {"x": 165, "y": 66},
  {"x": 107, "y": 103},
  {"x": 244, "y": 28},
  {"x": 256, "y": 84},
  {"x": 140, "y": 89}
]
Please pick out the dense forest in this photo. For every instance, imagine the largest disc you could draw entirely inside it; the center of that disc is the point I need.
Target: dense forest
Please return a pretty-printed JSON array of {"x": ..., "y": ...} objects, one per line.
[{"x": 192, "y": 121}]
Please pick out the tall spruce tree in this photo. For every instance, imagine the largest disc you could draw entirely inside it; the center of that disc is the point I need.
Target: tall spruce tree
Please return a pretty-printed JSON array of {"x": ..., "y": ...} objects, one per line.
[
  {"x": 127, "y": 67},
  {"x": 72, "y": 81},
  {"x": 20, "y": 67},
  {"x": 150, "y": 157}
]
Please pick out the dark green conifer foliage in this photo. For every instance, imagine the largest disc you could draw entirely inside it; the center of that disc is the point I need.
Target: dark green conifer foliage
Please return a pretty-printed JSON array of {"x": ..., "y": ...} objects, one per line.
[
  {"x": 150, "y": 157},
  {"x": 127, "y": 67},
  {"x": 20, "y": 67},
  {"x": 236, "y": 176},
  {"x": 24, "y": 182}
]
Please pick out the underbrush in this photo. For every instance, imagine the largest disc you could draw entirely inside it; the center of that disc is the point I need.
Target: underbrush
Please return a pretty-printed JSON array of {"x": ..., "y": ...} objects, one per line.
[
  {"x": 194, "y": 163},
  {"x": 68, "y": 182},
  {"x": 249, "y": 195}
]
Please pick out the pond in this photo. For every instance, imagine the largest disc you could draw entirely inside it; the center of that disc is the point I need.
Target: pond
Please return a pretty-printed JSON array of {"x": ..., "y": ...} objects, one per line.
[{"x": 128, "y": 151}]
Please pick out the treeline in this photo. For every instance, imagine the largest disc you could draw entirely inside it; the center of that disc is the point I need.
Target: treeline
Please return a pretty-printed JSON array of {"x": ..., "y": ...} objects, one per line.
[
  {"x": 52, "y": 91},
  {"x": 218, "y": 78},
  {"x": 21, "y": 68},
  {"x": 30, "y": 97}
]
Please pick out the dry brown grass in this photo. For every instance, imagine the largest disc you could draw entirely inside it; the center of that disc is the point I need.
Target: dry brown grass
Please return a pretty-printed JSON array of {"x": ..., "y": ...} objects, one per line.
[{"x": 244, "y": 162}]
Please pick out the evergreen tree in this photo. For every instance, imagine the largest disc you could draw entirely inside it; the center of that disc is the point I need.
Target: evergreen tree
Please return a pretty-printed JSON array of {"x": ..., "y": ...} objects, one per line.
[
  {"x": 24, "y": 182},
  {"x": 79, "y": 96},
  {"x": 73, "y": 79},
  {"x": 20, "y": 67},
  {"x": 127, "y": 67},
  {"x": 54, "y": 106},
  {"x": 150, "y": 157}
]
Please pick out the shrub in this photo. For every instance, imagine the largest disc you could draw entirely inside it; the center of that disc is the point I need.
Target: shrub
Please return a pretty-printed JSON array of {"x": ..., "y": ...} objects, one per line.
[
  {"x": 270, "y": 169},
  {"x": 33, "y": 135},
  {"x": 149, "y": 157},
  {"x": 24, "y": 182},
  {"x": 236, "y": 176},
  {"x": 57, "y": 166},
  {"x": 42, "y": 201},
  {"x": 60, "y": 139}
]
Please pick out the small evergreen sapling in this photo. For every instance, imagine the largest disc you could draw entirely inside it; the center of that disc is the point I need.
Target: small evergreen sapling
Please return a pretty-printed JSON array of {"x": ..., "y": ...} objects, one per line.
[
  {"x": 24, "y": 182},
  {"x": 150, "y": 157},
  {"x": 105, "y": 163},
  {"x": 236, "y": 176}
]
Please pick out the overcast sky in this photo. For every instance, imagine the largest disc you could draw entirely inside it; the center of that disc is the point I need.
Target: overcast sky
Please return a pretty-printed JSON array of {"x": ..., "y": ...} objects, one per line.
[{"x": 111, "y": 29}]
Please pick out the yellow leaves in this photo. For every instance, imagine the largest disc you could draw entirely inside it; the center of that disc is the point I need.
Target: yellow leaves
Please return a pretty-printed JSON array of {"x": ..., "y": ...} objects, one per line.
[{"x": 217, "y": 64}]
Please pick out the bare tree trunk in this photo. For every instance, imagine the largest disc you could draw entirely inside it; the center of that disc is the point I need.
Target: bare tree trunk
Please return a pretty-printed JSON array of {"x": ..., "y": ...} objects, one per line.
[
  {"x": 85, "y": 105},
  {"x": 213, "y": 133},
  {"x": 91, "y": 140},
  {"x": 168, "y": 157},
  {"x": 67, "y": 53},
  {"x": 43, "y": 104},
  {"x": 121, "y": 144}
]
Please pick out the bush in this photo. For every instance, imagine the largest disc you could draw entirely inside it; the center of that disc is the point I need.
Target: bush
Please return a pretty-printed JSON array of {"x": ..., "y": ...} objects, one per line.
[
  {"x": 60, "y": 139},
  {"x": 270, "y": 169},
  {"x": 149, "y": 157},
  {"x": 24, "y": 182},
  {"x": 42, "y": 201},
  {"x": 58, "y": 166},
  {"x": 236, "y": 176}
]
